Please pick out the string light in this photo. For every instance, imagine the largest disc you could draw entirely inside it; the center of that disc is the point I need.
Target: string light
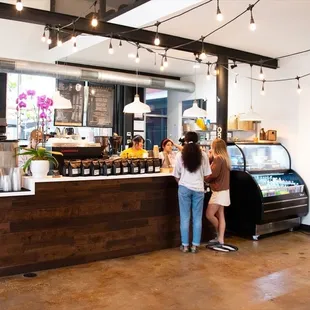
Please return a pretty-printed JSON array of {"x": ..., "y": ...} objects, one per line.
[
  {"x": 162, "y": 67},
  {"x": 203, "y": 54},
  {"x": 208, "y": 72},
  {"x": 157, "y": 40},
  {"x": 19, "y": 5},
  {"x": 261, "y": 73},
  {"x": 49, "y": 40},
  {"x": 111, "y": 50},
  {"x": 74, "y": 47},
  {"x": 298, "y": 86},
  {"x": 94, "y": 21},
  {"x": 137, "y": 55},
  {"x": 236, "y": 80},
  {"x": 43, "y": 39},
  {"x": 59, "y": 42},
  {"x": 219, "y": 15},
  {"x": 263, "y": 88},
  {"x": 73, "y": 38},
  {"x": 252, "y": 22},
  {"x": 216, "y": 69},
  {"x": 165, "y": 60}
]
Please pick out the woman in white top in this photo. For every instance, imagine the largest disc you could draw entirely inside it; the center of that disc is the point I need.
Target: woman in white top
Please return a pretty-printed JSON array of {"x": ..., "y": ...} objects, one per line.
[{"x": 191, "y": 168}]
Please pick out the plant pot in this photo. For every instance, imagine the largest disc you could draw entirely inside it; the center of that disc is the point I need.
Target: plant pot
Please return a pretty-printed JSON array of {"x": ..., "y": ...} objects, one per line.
[{"x": 39, "y": 168}]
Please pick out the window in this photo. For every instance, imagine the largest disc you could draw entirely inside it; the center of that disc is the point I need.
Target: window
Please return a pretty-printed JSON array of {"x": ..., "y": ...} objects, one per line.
[
  {"x": 156, "y": 121},
  {"x": 18, "y": 83}
]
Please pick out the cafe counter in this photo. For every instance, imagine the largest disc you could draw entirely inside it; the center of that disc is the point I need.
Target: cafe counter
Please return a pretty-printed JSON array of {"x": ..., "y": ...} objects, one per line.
[{"x": 64, "y": 221}]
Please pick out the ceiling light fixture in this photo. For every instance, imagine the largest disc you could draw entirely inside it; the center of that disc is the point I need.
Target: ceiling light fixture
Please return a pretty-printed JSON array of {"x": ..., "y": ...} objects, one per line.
[
  {"x": 157, "y": 40},
  {"x": 252, "y": 22},
  {"x": 162, "y": 67},
  {"x": 203, "y": 54},
  {"x": 120, "y": 43},
  {"x": 49, "y": 40},
  {"x": 262, "y": 92},
  {"x": 298, "y": 86},
  {"x": 195, "y": 111},
  {"x": 261, "y": 73},
  {"x": 59, "y": 42},
  {"x": 216, "y": 69},
  {"x": 137, "y": 55},
  {"x": 234, "y": 65},
  {"x": 43, "y": 39},
  {"x": 111, "y": 50},
  {"x": 19, "y": 5},
  {"x": 236, "y": 80},
  {"x": 94, "y": 21},
  {"x": 165, "y": 60},
  {"x": 137, "y": 106},
  {"x": 219, "y": 15},
  {"x": 208, "y": 72}
]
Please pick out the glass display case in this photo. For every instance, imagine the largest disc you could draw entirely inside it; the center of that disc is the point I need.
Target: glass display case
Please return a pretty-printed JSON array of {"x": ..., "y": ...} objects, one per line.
[{"x": 266, "y": 194}]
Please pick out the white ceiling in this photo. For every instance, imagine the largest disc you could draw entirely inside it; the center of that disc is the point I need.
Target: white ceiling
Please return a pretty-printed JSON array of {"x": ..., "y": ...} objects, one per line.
[{"x": 282, "y": 27}]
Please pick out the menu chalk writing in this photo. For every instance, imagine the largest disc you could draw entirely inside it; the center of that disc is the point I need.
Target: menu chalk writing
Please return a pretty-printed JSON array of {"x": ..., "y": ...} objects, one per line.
[
  {"x": 100, "y": 106},
  {"x": 74, "y": 116}
]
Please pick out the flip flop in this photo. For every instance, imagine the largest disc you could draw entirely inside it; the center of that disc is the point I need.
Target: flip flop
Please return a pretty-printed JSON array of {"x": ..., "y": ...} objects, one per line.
[{"x": 222, "y": 248}]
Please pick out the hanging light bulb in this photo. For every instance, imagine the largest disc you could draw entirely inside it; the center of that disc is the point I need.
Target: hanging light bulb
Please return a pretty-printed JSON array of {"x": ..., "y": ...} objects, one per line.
[
  {"x": 49, "y": 40},
  {"x": 94, "y": 21},
  {"x": 59, "y": 42},
  {"x": 111, "y": 50},
  {"x": 261, "y": 73},
  {"x": 165, "y": 60},
  {"x": 120, "y": 43},
  {"x": 74, "y": 47},
  {"x": 216, "y": 69},
  {"x": 262, "y": 92},
  {"x": 236, "y": 80},
  {"x": 137, "y": 55},
  {"x": 19, "y": 5},
  {"x": 208, "y": 72},
  {"x": 219, "y": 15},
  {"x": 157, "y": 40},
  {"x": 73, "y": 38},
  {"x": 203, "y": 54},
  {"x": 252, "y": 22},
  {"x": 43, "y": 39},
  {"x": 162, "y": 67},
  {"x": 298, "y": 86}
]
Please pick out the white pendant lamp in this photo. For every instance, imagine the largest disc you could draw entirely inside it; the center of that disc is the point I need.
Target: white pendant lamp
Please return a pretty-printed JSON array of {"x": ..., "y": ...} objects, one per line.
[
  {"x": 195, "y": 111},
  {"x": 250, "y": 115},
  {"x": 137, "y": 106},
  {"x": 60, "y": 102}
]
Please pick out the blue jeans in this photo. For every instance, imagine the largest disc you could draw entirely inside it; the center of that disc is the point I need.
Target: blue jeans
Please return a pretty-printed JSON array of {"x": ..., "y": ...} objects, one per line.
[{"x": 190, "y": 200}]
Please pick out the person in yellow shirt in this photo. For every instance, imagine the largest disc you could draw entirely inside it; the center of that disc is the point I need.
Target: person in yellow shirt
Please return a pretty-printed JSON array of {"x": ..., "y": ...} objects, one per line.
[{"x": 135, "y": 149}]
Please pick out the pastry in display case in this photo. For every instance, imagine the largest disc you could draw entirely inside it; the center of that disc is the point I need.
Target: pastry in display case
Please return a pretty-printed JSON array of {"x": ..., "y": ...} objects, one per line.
[{"x": 266, "y": 194}]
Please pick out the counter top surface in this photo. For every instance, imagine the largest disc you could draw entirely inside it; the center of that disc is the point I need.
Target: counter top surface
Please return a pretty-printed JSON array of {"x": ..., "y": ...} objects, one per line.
[
  {"x": 96, "y": 178},
  {"x": 30, "y": 182}
]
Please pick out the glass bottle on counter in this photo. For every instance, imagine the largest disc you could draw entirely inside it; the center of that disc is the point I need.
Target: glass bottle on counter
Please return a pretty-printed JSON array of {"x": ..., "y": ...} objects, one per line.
[{"x": 262, "y": 134}]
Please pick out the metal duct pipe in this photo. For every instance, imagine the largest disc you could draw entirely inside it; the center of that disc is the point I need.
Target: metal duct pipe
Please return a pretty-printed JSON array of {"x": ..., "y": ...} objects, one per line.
[{"x": 91, "y": 75}]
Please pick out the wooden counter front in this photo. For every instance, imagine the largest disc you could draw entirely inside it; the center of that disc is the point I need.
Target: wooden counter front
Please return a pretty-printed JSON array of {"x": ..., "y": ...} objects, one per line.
[{"x": 67, "y": 223}]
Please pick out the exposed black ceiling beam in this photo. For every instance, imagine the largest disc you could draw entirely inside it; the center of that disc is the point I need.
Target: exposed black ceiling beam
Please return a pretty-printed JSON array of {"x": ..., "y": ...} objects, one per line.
[{"x": 40, "y": 17}]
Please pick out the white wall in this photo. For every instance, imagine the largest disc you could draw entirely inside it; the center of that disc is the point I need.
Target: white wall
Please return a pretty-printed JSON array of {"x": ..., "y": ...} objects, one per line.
[
  {"x": 281, "y": 108},
  {"x": 204, "y": 90}
]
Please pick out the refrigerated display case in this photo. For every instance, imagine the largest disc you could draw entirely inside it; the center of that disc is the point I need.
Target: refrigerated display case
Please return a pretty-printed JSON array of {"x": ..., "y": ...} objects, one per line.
[{"x": 266, "y": 194}]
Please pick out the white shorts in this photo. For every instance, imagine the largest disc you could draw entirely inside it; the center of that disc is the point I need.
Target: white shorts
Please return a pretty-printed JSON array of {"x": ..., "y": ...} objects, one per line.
[{"x": 220, "y": 198}]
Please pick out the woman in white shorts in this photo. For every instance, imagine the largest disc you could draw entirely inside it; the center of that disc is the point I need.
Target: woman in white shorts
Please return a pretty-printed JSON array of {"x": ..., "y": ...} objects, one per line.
[{"x": 219, "y": 183}]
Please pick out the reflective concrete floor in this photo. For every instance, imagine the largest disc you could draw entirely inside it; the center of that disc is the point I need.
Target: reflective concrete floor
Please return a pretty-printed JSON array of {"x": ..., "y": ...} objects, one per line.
[{"x": 271, "y": 274}]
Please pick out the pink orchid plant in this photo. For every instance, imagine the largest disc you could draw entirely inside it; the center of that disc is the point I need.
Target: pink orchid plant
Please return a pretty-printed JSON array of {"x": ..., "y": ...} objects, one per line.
[{"x": 42, "y": 108}]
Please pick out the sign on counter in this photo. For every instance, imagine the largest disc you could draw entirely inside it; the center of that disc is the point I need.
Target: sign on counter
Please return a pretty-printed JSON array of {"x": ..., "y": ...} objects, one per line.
[
  {"x": 75, "y": 93},
  {"x": 100, "y": 106}
]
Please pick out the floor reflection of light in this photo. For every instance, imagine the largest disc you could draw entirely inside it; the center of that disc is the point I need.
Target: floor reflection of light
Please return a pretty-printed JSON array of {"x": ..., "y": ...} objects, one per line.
[{"x": 273, "y": 285}]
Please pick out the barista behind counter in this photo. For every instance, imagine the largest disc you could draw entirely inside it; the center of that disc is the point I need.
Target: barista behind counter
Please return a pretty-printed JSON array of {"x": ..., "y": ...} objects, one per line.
[{"x": 135, "y": 149}]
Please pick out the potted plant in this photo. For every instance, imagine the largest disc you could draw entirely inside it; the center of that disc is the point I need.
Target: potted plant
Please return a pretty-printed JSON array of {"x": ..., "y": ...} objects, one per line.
[{"x": 39, "y": 161}]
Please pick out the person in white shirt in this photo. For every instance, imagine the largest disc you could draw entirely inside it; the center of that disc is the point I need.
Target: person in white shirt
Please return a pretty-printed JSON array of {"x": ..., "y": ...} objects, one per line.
[{"x": 191, "y": 168}]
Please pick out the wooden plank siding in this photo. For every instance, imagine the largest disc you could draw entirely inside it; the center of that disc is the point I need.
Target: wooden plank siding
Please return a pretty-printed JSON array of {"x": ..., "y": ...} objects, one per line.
[{"x": 67, "y": 223}]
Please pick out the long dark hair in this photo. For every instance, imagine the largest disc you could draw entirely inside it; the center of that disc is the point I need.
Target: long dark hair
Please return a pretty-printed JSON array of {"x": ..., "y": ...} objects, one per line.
[
  {"x": 136, "y": 140},
  {"x": 191, "y": 153}
]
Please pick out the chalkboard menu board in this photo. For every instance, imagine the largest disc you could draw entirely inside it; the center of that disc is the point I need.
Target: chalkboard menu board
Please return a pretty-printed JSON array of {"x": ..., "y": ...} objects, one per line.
[
  {"x": 75, "y": 93},
  {"x": 100, "y": 106}
]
